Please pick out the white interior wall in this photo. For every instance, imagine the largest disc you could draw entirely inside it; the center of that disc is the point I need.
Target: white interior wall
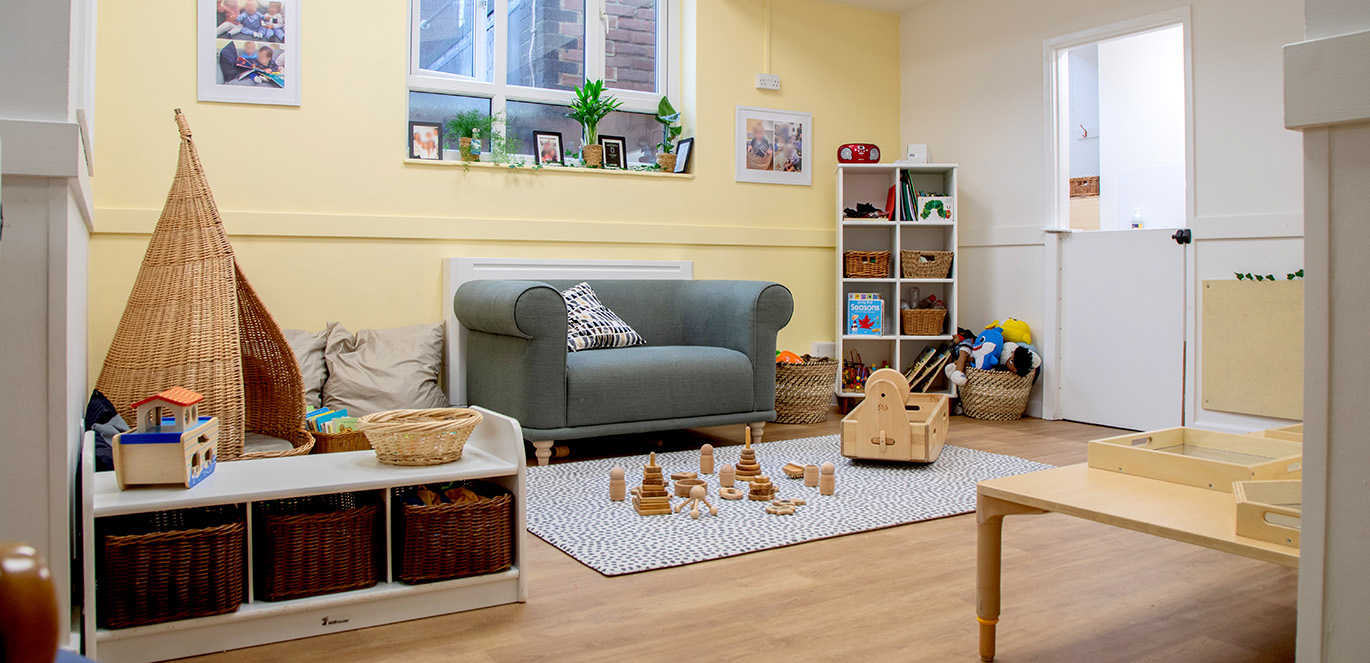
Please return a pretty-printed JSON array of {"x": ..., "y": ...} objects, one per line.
[
  {"x": 1248, "y": 168},
  {"x": 1142, "y": 130},
  {"x": 1083, "y": 65}
]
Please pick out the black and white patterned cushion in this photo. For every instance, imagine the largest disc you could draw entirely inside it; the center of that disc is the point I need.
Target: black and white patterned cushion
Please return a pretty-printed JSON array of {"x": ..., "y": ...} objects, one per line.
[{"x": 590, "y": 325}]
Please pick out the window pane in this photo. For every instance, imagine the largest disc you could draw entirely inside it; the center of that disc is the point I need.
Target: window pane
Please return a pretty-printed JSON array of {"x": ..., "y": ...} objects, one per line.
[
  {"x": 630, "y": 48},
  {"x": 547, "y": 43},
  {"x": 640, "y": 131},
  {"x": 429, "y": 107},
  {"x": 447, "y": 37},
  {"x": 523, "y": 118}
]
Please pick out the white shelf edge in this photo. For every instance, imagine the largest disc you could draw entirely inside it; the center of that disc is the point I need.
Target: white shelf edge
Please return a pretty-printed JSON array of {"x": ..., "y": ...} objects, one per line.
[
  {"x": 927, "y": 280},
  {"x": 864, "y": 337}
]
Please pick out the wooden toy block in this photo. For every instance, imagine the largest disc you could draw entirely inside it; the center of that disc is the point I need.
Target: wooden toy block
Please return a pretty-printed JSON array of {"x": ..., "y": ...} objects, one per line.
[
  {"x": 761, "y": 489},
  {"x": 893, "y": 424},
  {"x": 727, "y": 476},
  {"x": 747, "y": 468},
  {"x": 811, "y": 476},
  {"x": 793, "y": 471},
  {"x": 683, "y": 487},
  {"x": 617, "y": 485},
  {"x": 706, "y": 459},
  {"x": 730, "y": 493},
  {"x": 698, "y": 495},
  {"x": 651, "y": 498},
  {"x": 172, "y": 444},
  {"x": 827, "y": 479},
  {"x": 1269, "y": 510},
  {"x": 784, "y": 507},
  {"x": 1198, "y": 457}
]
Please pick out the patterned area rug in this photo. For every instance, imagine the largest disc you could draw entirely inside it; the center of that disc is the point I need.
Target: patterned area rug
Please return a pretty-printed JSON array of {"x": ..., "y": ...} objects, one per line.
[{"x": 569, "y": 507}]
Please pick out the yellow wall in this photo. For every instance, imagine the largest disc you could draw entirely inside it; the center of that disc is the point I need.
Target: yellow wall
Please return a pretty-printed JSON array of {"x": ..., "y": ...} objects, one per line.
[{"x": 331, "y": 224}]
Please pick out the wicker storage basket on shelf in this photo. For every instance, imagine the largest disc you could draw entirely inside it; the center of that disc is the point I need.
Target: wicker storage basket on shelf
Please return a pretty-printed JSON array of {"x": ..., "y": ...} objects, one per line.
[
  {"x": 419, "y": 437},
  {"x": 866, "y": 264},
  {"x": 446, "y": 541},
  {"x": 321, "y": 544},
  {"x": 331, "y": 443},
  {"x": 925, "y": 264},
  {"x": 995, "y": 395},
  {"x": 193, "y": 320},
  {"x": 804, "y": 391},
  {"x": 923, "y": 321},
  {"x": 169, "y": 565}
]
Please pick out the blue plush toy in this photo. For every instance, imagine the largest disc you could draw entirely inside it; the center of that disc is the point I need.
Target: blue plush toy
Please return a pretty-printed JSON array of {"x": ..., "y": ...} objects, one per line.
[{"x": 982, "y": 353}]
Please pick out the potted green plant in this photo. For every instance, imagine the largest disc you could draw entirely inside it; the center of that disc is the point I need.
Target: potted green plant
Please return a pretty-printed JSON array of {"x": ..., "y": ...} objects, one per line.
[
  {"x": 588, "y": 109},
  {"x": 669, "y": 118},
  {"x": 467, "y": 126}
]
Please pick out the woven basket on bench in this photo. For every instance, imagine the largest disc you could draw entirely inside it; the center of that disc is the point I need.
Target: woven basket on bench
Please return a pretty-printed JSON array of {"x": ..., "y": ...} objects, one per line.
[{"x": 194, "y": 321}]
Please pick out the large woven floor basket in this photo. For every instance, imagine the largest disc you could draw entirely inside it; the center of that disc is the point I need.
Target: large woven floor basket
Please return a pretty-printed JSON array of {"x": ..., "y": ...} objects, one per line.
[
  {"x": 995, "y": 395},
  {"x": 194, "y": 321},
  {"x": 170, "y": 565},
  {"x": 419, "y": 437},
  {"x": 803, "y": 392},
  {"x": 445, "y": 541},
  {"x": 317, "y": 545}
]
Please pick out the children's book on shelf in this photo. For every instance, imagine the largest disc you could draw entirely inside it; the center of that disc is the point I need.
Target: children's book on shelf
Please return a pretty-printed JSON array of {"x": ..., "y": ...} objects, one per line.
[
  {"x": 865, "y": 314},
  {"x": 325, "y": 420},
  {"x": 916, "y": 368},
  {"x": 928, "y": 375}
]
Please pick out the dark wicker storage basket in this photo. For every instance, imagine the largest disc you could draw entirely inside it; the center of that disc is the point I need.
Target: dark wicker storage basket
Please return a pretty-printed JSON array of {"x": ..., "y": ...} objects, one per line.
[
  {"x": 170, "y": 565},
  {"x": 803, "y": 392},
  {"x": 331, "y": 443},
  {"x": 925, "y": 264},
  {"x": 447, "y": 541},
  {"x": 923, "y": 321},
  {"x": 995, "y": 395},
  {"x": 866, "y": 264},
  {"x": 316, "y": 545}
]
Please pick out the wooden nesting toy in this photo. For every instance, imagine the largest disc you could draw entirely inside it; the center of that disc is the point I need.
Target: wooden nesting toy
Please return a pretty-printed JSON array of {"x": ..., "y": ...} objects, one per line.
[
  {"x": 893, "y": 424},
  {"x": 747, "y": 469},
  {"x": 761, "y": 490},
  {"x": 651, "y": 498},
  {"x": 173, "y": 444}
]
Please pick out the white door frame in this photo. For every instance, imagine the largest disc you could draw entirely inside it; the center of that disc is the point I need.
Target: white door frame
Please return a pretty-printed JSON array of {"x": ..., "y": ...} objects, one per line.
[{"x": 1056, "y": 107}]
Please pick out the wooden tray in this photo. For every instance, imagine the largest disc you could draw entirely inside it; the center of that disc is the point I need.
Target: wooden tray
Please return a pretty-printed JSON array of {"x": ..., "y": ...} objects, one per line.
[
  {"x": 1197, "y": 457},
  {"x": 1291, "y": 433},
  {"x": 1269, "y": 510}
]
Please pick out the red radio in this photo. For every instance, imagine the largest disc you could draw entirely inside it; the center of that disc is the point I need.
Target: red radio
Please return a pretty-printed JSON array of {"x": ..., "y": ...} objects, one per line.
[{"x": 858, "y": 153}]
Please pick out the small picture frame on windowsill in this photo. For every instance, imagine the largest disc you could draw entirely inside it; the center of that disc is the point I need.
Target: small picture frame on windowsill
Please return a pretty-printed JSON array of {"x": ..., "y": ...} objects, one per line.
[
  {"x": 425, "y": 141},
  {"x": 684, "y": 149},
  {"x": 615, "y": 151},
  {"x": 548, "y": 148}
]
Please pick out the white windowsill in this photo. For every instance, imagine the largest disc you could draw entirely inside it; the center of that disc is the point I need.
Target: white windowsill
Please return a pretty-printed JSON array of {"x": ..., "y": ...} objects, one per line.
[{"x": 550, "y": 169}]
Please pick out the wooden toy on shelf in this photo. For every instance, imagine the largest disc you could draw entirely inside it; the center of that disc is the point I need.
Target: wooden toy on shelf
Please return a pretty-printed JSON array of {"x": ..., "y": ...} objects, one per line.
[
  {"x": 811, "y": 476},
  {"x": 793, "y": 470},
  {"x": 698, "y": 494},
  {"x": 727, "y": 476},
  {"x": 747, "y": 468},
  {"x": 893, "y": 424},
  {"x": 730, "y": 493},
  {"x": 706, "y": 459},
  {"x": 783, "y": 507},
  {"x": 618, "y": 488},
  {"x": 172, "y": 443},
  {"x": 651, "y": 498},
  {"x": 684, "y": 486},
  {"x": 761, "y": 490},
  {"x": 827, "y": 479}
]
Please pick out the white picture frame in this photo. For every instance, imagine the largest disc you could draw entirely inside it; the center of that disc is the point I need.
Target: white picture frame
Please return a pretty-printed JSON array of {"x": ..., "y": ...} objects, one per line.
[
  {"x": 773, "y": 146},
  {"x": 224, "y": 49}
]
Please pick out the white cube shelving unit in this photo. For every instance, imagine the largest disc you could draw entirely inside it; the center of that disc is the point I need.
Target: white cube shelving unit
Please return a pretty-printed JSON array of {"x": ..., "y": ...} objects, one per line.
[
  {"x": 870, "y": 183},
  {"x": 493, "y": 453}
]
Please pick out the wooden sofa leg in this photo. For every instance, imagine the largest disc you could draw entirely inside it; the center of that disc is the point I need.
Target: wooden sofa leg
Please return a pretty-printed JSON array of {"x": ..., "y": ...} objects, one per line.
[
  {"x": 757, "y": 429},
  {"x": 543, "y": 450}
]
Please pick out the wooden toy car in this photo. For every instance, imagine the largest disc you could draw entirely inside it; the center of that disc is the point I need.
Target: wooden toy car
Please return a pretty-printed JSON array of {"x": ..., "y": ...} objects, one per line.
[
  {"x": 893, "y": 424},
  {"x": 178, "y": 449}
]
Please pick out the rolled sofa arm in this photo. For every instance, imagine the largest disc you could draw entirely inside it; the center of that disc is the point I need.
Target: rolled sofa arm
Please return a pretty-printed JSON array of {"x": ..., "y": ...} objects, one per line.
[
  {"x": 741, "y": 315},
  {"x": 515, "y": 349}
]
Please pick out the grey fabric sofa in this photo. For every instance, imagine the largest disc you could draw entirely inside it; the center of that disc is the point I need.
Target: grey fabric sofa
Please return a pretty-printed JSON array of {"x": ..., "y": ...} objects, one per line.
[{"x": 709, "y": 358}]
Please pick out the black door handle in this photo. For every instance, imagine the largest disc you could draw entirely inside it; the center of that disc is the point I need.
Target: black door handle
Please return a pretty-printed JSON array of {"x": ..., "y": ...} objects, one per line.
[{"x": 1183, "y": 236}]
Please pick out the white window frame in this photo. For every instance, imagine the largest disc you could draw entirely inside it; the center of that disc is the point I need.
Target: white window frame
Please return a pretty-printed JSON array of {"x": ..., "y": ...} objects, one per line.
[{"x": 499, "y": 92}]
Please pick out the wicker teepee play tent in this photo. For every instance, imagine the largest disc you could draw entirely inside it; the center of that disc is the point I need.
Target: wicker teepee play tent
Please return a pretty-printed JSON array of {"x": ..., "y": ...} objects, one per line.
[{"x": 194, "y": 321}]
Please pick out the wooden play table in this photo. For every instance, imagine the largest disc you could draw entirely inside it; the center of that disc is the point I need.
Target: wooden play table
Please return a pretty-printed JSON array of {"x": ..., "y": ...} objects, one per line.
[{"x": 1199, "y": 516}]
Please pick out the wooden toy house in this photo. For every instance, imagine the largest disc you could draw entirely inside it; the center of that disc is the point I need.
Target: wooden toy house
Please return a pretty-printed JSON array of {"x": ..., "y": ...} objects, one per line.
[
  {"x": 172, "y": 443},
  {"x": 893, "y": 424}
]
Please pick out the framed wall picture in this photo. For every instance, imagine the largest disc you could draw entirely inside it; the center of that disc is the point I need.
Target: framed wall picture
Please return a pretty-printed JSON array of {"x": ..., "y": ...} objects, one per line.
[
  {"x": 425, "y": 141},
  {"x": 548, "y": 145},
  {"x": 684, "y": 149},
  {"x": 615, "y": 151},
  {"x": 248, "y": 51},
  {"x": 773, "y": 146}
]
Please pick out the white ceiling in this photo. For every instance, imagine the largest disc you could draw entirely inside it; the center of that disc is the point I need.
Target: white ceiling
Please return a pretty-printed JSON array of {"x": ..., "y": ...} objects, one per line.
[{"x": 892, "y": 6}]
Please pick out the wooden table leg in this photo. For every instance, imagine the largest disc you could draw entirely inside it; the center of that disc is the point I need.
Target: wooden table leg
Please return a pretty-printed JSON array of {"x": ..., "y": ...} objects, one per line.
[{"x": 989, "y": 516}]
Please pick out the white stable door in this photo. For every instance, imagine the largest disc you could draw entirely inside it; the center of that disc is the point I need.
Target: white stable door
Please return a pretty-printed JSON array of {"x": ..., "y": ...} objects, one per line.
[{"x": 1122, "y": 328}]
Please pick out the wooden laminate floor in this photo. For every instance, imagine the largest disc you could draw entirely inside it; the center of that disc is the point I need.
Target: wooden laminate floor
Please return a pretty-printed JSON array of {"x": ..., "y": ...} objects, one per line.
[{"x": 1072, "y": 591}]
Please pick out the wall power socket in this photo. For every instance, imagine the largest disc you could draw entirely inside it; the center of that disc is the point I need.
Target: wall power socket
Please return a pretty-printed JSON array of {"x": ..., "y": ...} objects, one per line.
[{"x": 767, "y": 82}]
